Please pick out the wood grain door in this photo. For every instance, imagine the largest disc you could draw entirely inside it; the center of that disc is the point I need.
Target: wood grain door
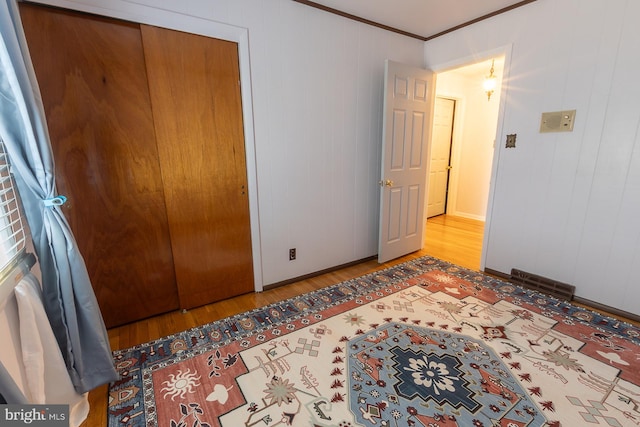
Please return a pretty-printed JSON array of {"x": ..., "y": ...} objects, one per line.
[
  {"x": 195, "y": 92},
  {"x": 92, "y": 76}
]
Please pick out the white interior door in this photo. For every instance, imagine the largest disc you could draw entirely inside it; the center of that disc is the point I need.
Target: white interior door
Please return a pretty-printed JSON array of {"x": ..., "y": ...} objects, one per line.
[
  {"x": 408, "y": 100},
  {"x": 440, "y": 156}
]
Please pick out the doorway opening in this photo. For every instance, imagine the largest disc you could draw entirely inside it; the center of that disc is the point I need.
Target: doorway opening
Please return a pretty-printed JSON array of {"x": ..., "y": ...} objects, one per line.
[{"x": 464, "y": 130}]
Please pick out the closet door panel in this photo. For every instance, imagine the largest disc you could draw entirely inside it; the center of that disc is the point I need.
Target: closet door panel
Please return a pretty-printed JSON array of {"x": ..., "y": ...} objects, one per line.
[
  {"x": 195, "y": 95},
  {"x": 92, "y": 76}
]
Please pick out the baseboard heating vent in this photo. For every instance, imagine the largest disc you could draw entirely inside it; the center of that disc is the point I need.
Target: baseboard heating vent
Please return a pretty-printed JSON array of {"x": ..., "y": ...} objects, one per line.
[{"x": 542, "y": 284}]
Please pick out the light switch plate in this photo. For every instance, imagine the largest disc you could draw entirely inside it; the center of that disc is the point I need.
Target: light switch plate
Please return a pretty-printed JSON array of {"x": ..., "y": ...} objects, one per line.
[{"x": 557, "y": 121}]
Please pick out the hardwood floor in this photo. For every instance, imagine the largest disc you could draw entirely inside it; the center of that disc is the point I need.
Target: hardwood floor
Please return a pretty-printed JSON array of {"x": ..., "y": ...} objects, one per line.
[{"x": 454, "y": 239}]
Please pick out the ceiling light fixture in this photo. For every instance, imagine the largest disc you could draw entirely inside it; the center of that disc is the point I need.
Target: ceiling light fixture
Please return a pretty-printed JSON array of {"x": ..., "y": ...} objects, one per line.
[{"x": 490, "y": 82}]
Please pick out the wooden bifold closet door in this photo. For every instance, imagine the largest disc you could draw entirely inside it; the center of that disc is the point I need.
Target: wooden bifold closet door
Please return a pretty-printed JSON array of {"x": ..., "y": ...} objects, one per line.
[
  {"x": 146, "y": 130},
  {"x": 195, "y": 94}
]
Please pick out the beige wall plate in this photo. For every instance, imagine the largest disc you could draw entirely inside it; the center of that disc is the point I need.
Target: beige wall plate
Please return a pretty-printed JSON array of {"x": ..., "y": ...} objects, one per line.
[{"x": 557, "y": 121}]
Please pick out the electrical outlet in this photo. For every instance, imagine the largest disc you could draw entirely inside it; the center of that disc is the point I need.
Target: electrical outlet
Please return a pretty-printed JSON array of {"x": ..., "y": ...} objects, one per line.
[{"x": 292, "y": 254}]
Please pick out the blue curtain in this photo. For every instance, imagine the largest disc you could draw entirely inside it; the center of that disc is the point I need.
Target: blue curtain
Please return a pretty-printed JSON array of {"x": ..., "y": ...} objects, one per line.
[{"x": 68, "y": 296}]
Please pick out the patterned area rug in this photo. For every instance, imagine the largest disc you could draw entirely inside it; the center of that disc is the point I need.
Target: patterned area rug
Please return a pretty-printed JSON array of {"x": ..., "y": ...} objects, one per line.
[{"x": 424, "y": 343}]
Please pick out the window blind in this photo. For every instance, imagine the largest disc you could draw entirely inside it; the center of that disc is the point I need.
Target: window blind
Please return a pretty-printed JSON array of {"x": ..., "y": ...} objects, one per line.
[{"x": 12, "y": 231}]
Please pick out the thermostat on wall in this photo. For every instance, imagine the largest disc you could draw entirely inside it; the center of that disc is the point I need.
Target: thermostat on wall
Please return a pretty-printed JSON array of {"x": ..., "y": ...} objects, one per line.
[{"x": 557, "y": 121}]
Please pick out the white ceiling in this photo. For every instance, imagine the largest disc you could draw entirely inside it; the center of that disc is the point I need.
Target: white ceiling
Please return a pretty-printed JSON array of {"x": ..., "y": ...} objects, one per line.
[{"x": 421, "y": 17}]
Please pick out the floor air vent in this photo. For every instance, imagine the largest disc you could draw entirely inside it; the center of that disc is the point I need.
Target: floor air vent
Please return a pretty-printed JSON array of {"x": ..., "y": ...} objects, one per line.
[{"x": 542, "y": 284}]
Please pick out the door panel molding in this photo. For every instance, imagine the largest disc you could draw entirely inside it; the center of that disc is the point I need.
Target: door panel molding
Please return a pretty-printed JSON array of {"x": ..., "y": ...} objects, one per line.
[
  {"x": 406, "y": 129},
  {"x": 441, "y": 143}
]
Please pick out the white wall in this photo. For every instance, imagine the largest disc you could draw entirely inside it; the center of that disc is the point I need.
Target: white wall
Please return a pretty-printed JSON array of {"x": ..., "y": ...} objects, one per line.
[
  {"x": 566, "y": 205},
  {"x": 473, "y": 139},
  {"x": 316, "y": 85}
]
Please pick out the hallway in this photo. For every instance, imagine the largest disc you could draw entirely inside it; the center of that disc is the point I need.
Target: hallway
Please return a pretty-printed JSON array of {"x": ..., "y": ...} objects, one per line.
[{"x": 454, "y": 239}]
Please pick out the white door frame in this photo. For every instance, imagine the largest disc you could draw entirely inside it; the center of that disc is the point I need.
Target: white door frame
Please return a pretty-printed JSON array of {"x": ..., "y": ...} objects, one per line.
[
  {"x": 142, "y": 12},
  {"x": 500, "y": 134}
]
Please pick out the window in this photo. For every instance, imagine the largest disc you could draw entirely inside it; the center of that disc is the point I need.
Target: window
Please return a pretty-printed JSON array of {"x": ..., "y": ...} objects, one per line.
[{"x": 12, "y": 231}]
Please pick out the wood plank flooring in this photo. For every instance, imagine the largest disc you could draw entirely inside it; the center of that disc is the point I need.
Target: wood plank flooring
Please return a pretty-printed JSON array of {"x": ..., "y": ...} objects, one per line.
[{"x": 454, "y": 239}]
